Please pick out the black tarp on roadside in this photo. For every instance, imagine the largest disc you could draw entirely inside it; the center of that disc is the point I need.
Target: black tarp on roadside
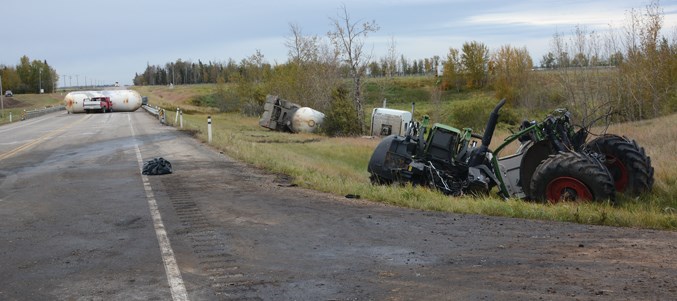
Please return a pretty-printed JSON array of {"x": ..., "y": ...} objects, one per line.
[{"x": 157, "y": 166}]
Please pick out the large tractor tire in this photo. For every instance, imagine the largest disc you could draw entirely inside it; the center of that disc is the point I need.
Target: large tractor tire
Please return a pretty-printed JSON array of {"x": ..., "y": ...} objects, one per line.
[
  {"x": 627, "y": 162},
  {"x": 569, "y": 176}
]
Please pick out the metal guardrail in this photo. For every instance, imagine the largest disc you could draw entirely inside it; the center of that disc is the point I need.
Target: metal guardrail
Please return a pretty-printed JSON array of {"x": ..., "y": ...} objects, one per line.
[
  {"x": 39, "y": 112},
  {"x": 153, "y": 111},
  {"x": 158, "y": 112}
]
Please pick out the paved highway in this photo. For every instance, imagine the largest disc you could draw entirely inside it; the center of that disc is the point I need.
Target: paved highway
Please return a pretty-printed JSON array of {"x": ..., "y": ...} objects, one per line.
[
  {"x": 78, "y": 221},
  {"x": 75, "y": 222}
]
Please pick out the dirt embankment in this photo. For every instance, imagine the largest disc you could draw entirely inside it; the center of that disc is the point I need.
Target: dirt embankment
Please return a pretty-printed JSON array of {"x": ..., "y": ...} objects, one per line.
[{"x": 11, "y": 103}]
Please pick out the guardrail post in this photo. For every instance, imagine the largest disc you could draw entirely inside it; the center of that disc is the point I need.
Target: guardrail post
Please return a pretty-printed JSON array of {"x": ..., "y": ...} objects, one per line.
[
  {"x": 181, "y": 118},
  {"x": 209, "y": 128},
  {"x": 176, "y": 118}
]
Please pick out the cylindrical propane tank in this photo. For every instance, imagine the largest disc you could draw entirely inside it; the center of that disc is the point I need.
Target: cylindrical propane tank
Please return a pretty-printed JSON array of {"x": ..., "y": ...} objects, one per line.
[
  {"x": 306, "y": 120},
  {"x": 123, "y": 100}
]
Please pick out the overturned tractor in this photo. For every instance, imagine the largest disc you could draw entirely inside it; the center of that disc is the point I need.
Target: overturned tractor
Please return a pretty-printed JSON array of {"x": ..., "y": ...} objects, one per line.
[{"x": 553, "y": 162}]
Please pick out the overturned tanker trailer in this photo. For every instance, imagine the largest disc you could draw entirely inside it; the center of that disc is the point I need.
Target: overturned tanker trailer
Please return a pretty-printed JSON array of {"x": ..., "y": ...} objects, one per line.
[
  {"x": 286, "y": 116},
  {"x": 122, "y": 100}
]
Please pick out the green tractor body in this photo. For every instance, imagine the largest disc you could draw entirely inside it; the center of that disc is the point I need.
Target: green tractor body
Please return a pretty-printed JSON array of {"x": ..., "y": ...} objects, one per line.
[{"x": 552, "y": 163}]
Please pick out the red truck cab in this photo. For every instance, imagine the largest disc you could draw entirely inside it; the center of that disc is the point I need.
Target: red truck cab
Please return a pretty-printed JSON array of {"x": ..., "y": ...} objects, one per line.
[{"x": 101, "y": 103}]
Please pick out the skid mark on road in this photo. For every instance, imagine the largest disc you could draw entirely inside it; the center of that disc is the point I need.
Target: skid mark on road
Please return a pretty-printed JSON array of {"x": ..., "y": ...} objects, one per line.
[
  {"x": 208, "y": 247},
  {"x": 176, "y": 285}
]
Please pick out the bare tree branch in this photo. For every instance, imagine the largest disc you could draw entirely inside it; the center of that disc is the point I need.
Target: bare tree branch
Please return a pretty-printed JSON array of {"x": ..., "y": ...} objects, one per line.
[{"x": 348, "y": 38}]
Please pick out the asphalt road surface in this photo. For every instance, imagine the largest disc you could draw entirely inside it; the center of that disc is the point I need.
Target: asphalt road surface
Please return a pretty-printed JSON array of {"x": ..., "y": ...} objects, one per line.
[{"x": 78, "y": 221}]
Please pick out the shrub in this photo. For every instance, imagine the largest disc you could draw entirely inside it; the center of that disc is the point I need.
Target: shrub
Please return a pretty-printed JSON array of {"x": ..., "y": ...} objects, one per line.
[
  {"x": 204, "y": 100},
  {"x": 341, "y": 117},
  {"x": 475, "y": 113}
]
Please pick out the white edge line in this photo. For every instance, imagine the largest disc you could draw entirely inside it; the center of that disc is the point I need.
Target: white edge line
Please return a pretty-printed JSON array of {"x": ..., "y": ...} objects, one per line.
[{"x": 174, "y": 278}]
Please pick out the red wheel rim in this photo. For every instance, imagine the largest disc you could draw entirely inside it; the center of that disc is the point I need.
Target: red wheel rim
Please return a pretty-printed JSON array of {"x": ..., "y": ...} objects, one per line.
[
  {"x": 567, "y": 188},
  {"x": 618, "y": 171}
]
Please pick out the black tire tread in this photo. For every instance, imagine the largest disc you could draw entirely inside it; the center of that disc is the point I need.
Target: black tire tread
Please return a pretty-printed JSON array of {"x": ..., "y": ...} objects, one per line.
[
  {"x": 634, "y": 158},
  {"x": 589, "y": 171}
]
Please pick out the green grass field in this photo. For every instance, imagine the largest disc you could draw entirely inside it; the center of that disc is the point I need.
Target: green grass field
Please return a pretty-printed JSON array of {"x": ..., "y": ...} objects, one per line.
[
  {"x": 20, "y": 102},
  {"x": 339, "y": 166}
]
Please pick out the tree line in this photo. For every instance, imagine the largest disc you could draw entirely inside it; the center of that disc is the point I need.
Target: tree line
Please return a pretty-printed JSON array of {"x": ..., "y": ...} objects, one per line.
[
  {"x": 29, "y": 76},
  {"x": 186, "y": 72},
  {"x": 632, "y": 70},
  {"x": 183, "y": 72}
]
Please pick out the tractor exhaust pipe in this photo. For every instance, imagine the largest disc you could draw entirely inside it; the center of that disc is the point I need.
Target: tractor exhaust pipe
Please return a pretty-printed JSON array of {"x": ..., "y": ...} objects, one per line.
[
  {"x": 478, "y": 157},
  {"x": 491, "y": 124}
]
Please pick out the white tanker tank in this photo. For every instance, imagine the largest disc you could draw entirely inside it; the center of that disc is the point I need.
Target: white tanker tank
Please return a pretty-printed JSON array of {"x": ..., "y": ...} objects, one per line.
[
  {"x": 286, "y": 116},
  {"x": 306, "y": 120},
  {"x": 122, "y": 100}
]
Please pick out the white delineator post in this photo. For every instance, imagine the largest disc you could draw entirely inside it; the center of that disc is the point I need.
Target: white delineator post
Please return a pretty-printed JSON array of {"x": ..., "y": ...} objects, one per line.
[
  {"x": 209, "y": 128},
  {"x": 176, "y": 118},
  {"x": 181, "y": 118}
]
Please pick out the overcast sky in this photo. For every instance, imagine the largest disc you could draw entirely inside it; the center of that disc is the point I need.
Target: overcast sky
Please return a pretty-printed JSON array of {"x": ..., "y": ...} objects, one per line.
[{"x": 110, "y": 41}]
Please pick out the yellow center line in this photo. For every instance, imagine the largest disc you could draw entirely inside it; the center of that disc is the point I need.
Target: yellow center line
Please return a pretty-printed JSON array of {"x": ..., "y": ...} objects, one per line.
[{"x": 40, "y": 139}]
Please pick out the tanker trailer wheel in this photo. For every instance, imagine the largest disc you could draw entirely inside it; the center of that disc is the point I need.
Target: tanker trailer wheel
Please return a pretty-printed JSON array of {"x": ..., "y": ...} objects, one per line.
[
  {"x": 627, "y": 162},
  {"x": 569, "y": 176}
]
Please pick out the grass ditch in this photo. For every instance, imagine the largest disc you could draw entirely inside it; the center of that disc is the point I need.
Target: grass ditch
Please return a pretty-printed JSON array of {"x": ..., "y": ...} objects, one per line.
[
  {"x": 339, "y": 166},
  {"x": 20, "y": 102}
]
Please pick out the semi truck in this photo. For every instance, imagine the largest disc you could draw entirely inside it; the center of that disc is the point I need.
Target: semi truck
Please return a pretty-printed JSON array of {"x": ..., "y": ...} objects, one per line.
[{"x": 286, "y": 116}]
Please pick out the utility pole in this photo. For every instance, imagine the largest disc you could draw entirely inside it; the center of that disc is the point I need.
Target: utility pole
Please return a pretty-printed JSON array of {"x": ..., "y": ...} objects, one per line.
[{"x": 2, "y": 100}]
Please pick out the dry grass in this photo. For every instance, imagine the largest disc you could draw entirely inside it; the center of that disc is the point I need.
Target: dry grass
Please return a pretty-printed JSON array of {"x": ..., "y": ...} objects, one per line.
[{"x": 178, "y": 96}]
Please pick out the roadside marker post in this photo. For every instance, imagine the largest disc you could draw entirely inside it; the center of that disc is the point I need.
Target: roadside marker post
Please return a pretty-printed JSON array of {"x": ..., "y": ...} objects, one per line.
[
  {"x": 10, "y": 117},
  {"x": 176, "y": 118},
  {"x": 181, "y": 118},
  {"x": 209, "y": 128}
]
